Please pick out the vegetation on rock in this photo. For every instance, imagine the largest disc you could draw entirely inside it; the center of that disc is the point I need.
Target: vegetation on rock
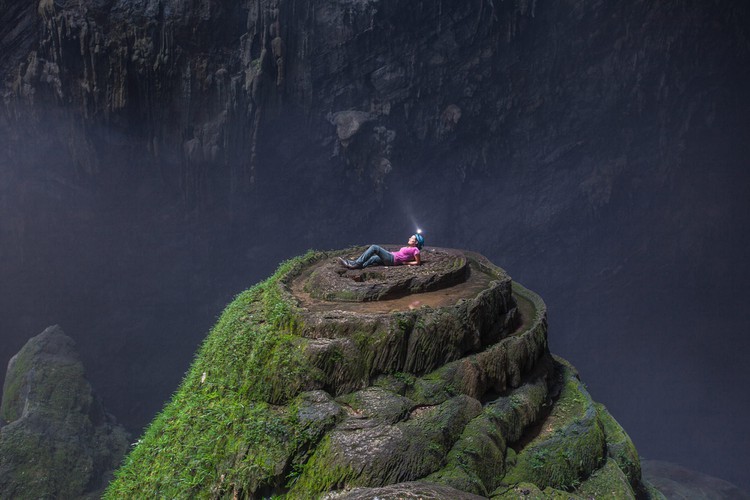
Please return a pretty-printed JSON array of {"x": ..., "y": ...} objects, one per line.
[
  {"x": 300, "y": 396},
  {"x": 58, "y": 442}
]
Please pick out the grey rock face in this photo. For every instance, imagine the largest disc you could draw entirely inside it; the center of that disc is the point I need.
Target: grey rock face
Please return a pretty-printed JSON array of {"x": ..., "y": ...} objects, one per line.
[
  {"x": 59, "y": 442},
  {"x": 386, "y": 81},
  {"x": 348, "y": 123}
]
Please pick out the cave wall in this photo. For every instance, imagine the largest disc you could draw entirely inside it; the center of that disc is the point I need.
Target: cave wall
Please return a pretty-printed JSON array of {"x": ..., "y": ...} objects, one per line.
[
  {"x": 435, "y": 108},
  {"x": 215, "y": 99}
]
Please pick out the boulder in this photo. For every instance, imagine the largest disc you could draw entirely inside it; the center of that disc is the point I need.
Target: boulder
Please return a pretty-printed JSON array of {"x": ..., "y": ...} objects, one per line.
[{"x": 59, "y": 442}]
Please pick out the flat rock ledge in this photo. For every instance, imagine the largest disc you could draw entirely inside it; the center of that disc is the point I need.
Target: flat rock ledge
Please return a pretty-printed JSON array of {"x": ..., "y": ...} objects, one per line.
[{"x": 440, "y": 268}]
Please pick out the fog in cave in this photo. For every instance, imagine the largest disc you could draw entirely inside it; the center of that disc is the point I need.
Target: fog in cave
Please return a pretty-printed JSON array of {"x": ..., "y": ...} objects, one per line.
[{"x": 638, "y": 247}]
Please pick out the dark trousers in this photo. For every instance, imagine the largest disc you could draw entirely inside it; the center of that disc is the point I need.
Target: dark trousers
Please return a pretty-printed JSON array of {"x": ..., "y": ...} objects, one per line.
[{"x": 375, "y": 256}]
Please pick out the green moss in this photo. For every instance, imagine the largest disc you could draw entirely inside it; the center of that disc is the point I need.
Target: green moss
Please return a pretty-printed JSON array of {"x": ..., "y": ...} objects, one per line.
[
  {"x": 321, "y": 473},
  {"x": 62, "y": 469},
  {"x": 476, "y": 459},
  {"x": 368, "y": 345},
  {"x": 607, "y": 482},
  {"x": 430, "y": 390},
  {"x": 569, "y": 445},
  {"x": 222, "y": 445},
  {"x": 477, "y": 462},
  {"x": 434, "y": 434},
  {"x": 620, "y": 447},
  {"x": 52, "y": 448},
  {"x": 220, "y": 432},
  {"x": 378, "y": 455}
]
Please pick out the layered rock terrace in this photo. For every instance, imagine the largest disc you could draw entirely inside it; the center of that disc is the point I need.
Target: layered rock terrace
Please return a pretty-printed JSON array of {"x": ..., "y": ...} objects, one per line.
[
  {"x": 413, "y": 319},
  {"x": 432, "y": 380}
]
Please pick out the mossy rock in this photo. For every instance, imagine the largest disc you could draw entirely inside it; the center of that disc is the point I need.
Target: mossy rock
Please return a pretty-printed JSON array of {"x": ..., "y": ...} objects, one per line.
[
  {"x": 607, "y": 482},
  {"x": 577, "y": 448},
  {"x": 620, "y": 447},
  {"x": 365, "y": 452},
  {"x": 530, "y": 491},
  {"x": 408, "y": 490},
  {"x": 476, "y": 463},
  {"x": 300, "y": 397},
  {"x": 378, "y": 404},
  {"x": 47, "y": 375},
  {"x": 569, "y": 444},
  {"x": 59, "y": 441}
]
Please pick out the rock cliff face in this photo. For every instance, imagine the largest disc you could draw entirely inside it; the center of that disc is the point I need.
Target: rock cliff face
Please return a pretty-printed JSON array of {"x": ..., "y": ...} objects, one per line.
[
  {"x": 447, "y": 393},
  {"x": 56, "y": 441},
  {"x": 213, "y": 97}
]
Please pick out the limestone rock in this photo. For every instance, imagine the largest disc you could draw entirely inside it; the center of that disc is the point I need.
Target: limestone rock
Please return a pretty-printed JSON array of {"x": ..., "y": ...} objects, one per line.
[
  {"x": 440, "y": 269},
  {"x": 59, "y": 441},
  {"x": 408, "y": 490},
  {"x": 568, "y": 446},
  {"x": 298, "y": 393},
  {"x": 348, "y": 123}
]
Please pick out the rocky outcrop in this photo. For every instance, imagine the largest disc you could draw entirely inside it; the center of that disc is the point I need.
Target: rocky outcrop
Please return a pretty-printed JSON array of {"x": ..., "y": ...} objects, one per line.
[
  {"x": 57, "y": 440},
  {"x": 443, "y": 393}
]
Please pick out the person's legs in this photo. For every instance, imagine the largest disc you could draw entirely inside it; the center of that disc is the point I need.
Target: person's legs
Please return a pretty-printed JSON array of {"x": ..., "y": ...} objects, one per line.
[
  {"x": 373, "y": 250},
  {"x": 375, "y": 260},
  {"x": 384, "y": 257}
]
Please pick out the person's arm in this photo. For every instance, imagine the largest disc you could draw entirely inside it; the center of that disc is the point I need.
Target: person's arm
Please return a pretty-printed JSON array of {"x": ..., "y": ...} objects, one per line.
[{"x": 417, "y": 260}]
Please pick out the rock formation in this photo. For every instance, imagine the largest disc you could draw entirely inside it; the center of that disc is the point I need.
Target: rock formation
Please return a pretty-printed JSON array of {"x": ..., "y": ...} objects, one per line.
[
  {"x": 431, "y": 381},
  {"x": 675, "y": 481},
  {"x": 212, "y": 97},
  {"x": 57, "y": 440}
]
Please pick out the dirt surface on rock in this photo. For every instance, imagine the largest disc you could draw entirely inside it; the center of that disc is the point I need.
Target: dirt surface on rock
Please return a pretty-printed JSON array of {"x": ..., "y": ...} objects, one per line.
[
  {"x": 439, "y": 268},
  {"x": 474, "y": 280}
]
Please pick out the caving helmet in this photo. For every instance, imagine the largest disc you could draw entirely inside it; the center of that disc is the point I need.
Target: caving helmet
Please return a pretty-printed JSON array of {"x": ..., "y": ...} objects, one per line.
[{"x": 420, "y": 239}]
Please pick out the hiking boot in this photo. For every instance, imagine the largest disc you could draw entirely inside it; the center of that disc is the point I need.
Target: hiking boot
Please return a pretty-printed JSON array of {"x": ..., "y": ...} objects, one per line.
[{"x": 349, "y": 264}]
